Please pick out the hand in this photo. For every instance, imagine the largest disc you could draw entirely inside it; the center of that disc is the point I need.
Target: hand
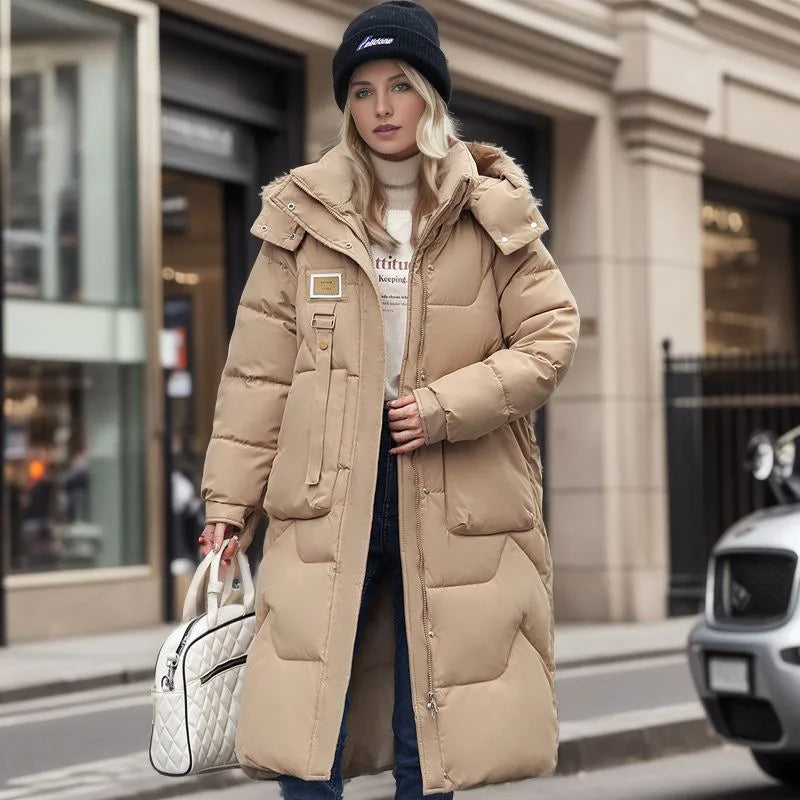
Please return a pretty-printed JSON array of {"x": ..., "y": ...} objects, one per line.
[
  {"x": 405, "y": 425},
  {"x": 212, "y": 537}
]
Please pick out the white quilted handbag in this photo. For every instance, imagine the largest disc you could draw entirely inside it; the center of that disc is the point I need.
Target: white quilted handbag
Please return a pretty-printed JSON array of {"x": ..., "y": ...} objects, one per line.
[{"x": 199, "y": 676}]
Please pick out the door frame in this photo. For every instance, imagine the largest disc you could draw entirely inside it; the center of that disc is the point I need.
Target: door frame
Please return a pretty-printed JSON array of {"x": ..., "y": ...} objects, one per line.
[{"x": 276, "y": 134}]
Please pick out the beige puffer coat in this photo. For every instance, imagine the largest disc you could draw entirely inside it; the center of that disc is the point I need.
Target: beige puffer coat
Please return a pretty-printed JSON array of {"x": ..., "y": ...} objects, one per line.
[{"x": 492, "y": 330}]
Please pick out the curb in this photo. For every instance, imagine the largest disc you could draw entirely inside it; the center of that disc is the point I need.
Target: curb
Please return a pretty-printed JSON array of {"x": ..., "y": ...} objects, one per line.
[
  {"x": 55, "y": 688},
  {"x": 618, "y": 658},
  {"x": 121, "y": 677},
  {"x": 651, "y": 738}
]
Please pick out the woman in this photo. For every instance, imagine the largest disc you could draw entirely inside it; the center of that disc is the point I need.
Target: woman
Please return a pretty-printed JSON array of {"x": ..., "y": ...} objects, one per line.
[{"x": 400, "y": 324}]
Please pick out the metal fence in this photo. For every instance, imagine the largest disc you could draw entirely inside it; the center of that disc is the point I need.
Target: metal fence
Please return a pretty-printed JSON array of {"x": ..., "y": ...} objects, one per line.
[{"x": 713, "y": 404}]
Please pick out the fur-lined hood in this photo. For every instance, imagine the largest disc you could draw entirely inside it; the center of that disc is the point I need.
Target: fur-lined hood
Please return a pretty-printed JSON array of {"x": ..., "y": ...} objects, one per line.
[{"x": 498, "y": 193}]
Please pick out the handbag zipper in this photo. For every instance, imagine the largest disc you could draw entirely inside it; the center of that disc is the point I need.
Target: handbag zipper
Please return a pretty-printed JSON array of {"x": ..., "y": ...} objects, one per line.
[
  {"x": 223, "y": 667},
  {"x": 168, "y": 681}
]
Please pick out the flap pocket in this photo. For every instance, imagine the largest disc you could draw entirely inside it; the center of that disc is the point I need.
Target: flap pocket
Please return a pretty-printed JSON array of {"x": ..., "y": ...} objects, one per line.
[
  {"x": 487, "y": 485},
  {"x": 288, "y": 495}
]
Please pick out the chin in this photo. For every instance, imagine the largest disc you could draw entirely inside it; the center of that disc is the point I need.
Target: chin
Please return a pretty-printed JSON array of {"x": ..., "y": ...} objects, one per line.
[{"x": 392, "y": 148}]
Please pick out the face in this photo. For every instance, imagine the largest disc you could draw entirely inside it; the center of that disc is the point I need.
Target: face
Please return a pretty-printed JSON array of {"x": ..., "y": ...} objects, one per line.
[{"x": 386, "y": 109}]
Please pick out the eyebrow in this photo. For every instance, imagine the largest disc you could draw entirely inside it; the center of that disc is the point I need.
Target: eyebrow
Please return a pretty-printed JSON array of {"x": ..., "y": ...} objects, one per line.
[{"x": 367, "y": 83}]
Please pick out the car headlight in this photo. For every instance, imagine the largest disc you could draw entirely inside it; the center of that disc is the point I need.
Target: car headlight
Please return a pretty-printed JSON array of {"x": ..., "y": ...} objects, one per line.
[
  {"x": 784, "y": 458},
  {"x": 761, "y": 455}
]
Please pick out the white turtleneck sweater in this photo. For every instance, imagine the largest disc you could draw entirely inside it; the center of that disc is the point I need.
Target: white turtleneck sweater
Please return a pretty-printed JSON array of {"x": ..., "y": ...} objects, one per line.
[{"x": 399, "y": 180}]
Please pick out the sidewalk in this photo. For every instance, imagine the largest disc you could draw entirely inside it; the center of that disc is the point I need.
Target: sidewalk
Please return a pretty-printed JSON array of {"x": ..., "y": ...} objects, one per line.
[
  {"x": 609, "y": 654},
  {"x": 38, "y": 669}
]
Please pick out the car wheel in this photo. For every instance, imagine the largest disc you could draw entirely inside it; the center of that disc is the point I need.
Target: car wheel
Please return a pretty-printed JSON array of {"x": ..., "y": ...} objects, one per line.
[{"x": 784, "y": 767}]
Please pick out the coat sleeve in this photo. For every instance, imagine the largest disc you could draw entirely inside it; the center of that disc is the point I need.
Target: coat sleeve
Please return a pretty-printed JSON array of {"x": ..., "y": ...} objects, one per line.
[
  {"x": 252, "y": 393},
  {"x": 539, "y": 321}
]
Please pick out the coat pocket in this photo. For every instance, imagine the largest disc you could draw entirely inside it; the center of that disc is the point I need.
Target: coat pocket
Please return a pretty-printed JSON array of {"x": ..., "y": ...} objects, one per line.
[
  {"x": 289, "y": 496},
  {"x": 487, "y": 485}
]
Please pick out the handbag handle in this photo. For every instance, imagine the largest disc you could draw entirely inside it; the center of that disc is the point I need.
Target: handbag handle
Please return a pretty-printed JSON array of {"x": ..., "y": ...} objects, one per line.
[
  {"x": 213, "y": 599},
  {"x": 190, "y": 610},
  {"x": 218, "y": 592}
]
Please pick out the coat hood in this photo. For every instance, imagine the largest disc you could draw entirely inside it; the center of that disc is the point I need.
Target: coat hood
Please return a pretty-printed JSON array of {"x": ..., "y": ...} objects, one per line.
[{"x": 499, "y": 194}]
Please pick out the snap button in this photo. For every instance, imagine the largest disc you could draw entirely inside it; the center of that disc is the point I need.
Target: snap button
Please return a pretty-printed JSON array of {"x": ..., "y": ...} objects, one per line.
[
  {"x": 291, "y": 206},
  {"x": 430, "y": 267},
  {"x": 264, "y": 228},
  {"x": 293, "y": 236},
  {"x": 430, "y": 633},
  {"x": 504, "y": 239},
  {"x": 534, "y": 224},
  {"x": 348, "y": 245},
  {"x": 422, "y": 376},
  {"x": 323, "y": 345},
  {"x": 426, "y": 490}
]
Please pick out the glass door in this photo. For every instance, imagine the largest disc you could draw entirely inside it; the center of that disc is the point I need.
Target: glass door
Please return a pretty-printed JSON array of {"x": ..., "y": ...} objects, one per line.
[{"x": 194, "y": 286}]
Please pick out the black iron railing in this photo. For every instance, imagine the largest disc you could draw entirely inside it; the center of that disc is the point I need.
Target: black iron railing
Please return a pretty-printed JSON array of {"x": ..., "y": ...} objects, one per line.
[{"x": 713, "y": 405}]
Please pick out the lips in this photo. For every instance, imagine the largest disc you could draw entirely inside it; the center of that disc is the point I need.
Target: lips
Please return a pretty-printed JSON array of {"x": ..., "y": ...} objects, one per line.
[{"x": 385, "y": 128}]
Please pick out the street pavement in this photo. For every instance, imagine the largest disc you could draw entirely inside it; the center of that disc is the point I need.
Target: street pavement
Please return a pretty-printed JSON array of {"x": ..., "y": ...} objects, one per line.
[
  {"x": 56, "y": 741},
  {"x": 724, "y": 773},
  {"x": 92, "y": 744}
]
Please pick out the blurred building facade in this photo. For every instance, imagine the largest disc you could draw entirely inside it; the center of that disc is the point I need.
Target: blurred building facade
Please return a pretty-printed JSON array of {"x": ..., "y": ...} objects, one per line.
[{"x": 661, "y": 136}]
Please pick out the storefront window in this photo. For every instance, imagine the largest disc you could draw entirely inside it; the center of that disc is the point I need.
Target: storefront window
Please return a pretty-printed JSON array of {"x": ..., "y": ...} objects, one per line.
[
  {"x": 70, "y": 236},
  {"x": 750, "y": 293},
  {"x": 69, "y": 464},
  {"x": 73, "y": 475}
]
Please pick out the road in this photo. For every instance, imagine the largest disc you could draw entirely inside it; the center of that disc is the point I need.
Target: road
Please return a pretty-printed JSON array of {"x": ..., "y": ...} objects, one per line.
[
  {"x": 79, "y": 745},
  {"x": 724, "y": 773}
]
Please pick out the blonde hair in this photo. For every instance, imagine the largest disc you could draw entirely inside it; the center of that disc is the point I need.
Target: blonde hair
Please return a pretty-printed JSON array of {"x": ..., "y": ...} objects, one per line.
[{"x": 436, "y": 132}]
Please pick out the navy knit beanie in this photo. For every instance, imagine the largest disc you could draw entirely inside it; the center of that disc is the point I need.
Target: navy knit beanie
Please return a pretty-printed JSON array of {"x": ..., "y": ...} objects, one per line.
[{"x": 399, "y": 30}]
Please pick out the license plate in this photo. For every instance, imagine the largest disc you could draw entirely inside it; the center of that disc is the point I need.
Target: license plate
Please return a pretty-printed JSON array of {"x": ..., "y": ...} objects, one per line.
[{"x": 729, "y": 675}]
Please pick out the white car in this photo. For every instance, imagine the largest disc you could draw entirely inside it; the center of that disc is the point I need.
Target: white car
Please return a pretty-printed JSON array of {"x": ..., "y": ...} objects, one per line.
[{"x": 745, "y": 654}]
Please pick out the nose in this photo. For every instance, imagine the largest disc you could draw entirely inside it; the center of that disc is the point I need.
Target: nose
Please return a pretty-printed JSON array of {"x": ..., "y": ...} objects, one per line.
[{"x": 383, "y": 105}]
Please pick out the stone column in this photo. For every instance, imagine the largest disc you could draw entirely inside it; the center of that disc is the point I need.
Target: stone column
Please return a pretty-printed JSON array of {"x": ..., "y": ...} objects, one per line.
[{"x": 636, "y": 262}]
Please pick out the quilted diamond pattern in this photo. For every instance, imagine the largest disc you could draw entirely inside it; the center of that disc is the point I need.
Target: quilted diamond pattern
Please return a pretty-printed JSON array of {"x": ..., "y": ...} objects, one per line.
[
  {"x": 223, "y": 644},
  {"x": 169, "y": 749},
  {"x": 212, "y": 707}
]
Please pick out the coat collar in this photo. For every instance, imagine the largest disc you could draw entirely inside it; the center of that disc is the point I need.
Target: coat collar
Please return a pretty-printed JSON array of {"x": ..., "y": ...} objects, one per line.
[{"x": 498, "y": 195}]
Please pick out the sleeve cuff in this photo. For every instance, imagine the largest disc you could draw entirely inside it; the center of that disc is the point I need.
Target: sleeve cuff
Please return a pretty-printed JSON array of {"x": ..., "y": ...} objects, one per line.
[
  {"x": 223, "y": 512},
  {"x": 434, "y": 421}
]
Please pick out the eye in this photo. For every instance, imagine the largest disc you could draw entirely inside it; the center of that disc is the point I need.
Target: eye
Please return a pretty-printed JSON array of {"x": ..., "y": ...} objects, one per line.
[
  {"x": 361, "y": 93},
  {"x": 401, "y": 87}
]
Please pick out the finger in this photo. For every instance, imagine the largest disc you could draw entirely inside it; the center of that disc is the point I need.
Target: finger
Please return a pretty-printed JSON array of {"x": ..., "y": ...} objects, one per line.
[
  {"x": 407, "y": 448},
  {"x": 405, "y": 424},
  {"x": 403, "y": 401},
  {"x": 401, "y": 437},
  {"x": 409, "y": 410},
  {"x": 219, "y": 535},
  {"x": 232, "y": 547}
]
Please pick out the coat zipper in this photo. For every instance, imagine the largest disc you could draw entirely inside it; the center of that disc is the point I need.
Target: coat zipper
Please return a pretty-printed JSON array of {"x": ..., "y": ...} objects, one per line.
[
  {"x": 431, "y": 703},
  {"x": 417, "y": 263},
  {"x": 333, "y": 212}
]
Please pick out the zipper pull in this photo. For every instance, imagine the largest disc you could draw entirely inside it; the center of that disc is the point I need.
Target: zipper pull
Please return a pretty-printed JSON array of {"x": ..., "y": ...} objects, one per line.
[
  {"x": 168, "y": 681},
  {"x": 431, "y": 704}
]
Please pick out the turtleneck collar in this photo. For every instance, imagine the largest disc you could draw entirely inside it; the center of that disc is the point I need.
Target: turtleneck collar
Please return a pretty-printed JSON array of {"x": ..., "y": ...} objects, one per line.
[{"x": 399, "y": 180}]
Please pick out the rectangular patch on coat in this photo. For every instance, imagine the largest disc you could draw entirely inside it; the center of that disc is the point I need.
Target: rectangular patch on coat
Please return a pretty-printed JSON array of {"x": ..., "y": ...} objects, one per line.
[{"x": 325, "y": 285}]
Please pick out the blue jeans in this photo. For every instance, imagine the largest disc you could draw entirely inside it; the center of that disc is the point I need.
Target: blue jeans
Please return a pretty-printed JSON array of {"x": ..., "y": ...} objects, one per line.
[{"x": 383, "y": 559}]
